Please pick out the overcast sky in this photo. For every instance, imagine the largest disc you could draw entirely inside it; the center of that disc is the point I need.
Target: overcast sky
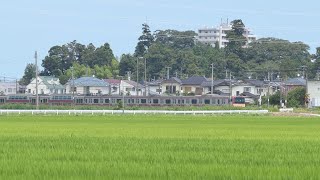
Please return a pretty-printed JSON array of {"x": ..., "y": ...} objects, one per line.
[{"x": 29, "y": 25}]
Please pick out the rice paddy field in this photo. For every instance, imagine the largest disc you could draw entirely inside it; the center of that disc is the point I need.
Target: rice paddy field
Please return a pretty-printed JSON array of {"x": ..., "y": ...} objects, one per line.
[{"x": 159, "y": 147}]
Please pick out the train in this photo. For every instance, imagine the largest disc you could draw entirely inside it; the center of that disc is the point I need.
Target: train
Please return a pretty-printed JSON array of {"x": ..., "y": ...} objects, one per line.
[{"x": 108, "y": 100}]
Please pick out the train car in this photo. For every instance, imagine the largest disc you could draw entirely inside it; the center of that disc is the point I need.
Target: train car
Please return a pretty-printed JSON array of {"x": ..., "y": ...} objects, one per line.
[
  {"x": 21, "y": 99},
  {"x": 238, "y": 101},
  {"x": 107, "y": 100},
  {"x": 62, "y": 99},
  {"x": 3, "y": 99}
]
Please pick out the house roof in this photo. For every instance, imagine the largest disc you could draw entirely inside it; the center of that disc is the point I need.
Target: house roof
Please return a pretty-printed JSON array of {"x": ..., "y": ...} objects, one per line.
[
  {"x": 133, "y": 83},
  {"x": 155, "y": 83},
  {"x": 255, "y": 82},
  {"x": 50, "y": 82},
  {"x": 172, "y": 80},
  {"x": 113, "y": 81},
  {"x": 194, "y": 80},
  {"x": 88, "y": 81},
  {"x": 250, "y": 95},
  {"x": 296, "y": 82}
]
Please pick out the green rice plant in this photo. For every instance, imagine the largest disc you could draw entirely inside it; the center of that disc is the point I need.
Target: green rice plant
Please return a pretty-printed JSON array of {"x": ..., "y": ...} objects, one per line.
[{"x": 159, "y": 147}]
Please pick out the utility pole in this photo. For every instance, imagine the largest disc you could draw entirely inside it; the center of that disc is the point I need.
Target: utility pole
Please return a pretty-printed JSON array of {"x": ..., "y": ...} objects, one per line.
[
  {"x": 230, "y": 89},
  {"x": 145, "y": 76},
  {"x": 137, "y": 88},
  {"x": 305, "y": 76},
  {"x": 168, "y": 72},
  {"x": 37, "y": 93},
  {"x": 72, "y": 78},
  {"x": 212, "y": 79}
]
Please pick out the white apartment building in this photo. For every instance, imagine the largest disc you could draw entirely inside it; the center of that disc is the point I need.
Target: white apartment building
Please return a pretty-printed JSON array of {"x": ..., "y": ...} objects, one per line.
[{"x": 217, "y": 35}]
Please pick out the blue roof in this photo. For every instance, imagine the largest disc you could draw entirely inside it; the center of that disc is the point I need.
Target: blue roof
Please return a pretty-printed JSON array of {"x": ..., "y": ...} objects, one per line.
[{"x": 88, "y": 81}]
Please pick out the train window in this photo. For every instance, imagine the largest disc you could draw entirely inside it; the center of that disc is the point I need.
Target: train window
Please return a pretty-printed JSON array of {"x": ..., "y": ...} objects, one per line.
[
  {"x": 168, "y": 101},
  {"x": 101, "y": 101},
  {"x": 218, "y": 101},
  {"x": 113, "y": 101},
  {"x": 143, "y": 101},
  {"x": 107, "y": 101},
  {"x": 1, "y": 100},
  {"x": 95, "y": 101},
  {"x": 194, "y": 101},
  {"x": 207, "y": 101},
  {"x": 187, "y": 101},
  {"x": 90, "y": 101},
  {"x": 79, "y": 101},
  {"x": 17, "y": 97},
  {"x": 155, "y": 101}
]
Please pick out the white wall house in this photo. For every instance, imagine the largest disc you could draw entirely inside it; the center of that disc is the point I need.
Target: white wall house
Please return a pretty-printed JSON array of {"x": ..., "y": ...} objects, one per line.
[
  {"x": 7, "y": 88},
  {"x": 87, "y": 86},
  {"x": 171, "y": 86},
  {"x": 46, "y": 85},
  {"x": 314, "y": 93},
  {"x": 130, "y": 88}
]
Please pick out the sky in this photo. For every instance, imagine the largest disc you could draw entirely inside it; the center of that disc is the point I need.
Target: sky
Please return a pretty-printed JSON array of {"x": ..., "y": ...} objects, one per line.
[{"x": 37, "y": 25}]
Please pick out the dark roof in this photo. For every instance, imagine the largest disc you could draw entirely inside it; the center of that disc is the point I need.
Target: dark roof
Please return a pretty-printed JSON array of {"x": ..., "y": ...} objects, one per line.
[
  {"x": 155, "y": 83},
  {"x": 215, "y": 83},
  {"x": 172, "y": 80},
  {"x": 194, "y": 80},
  {"x": 88, "y": 81},
  {"x": 247, "y": 94},
  {"x": 255, "y": 82},
  {"x": 296, "y": 82}
]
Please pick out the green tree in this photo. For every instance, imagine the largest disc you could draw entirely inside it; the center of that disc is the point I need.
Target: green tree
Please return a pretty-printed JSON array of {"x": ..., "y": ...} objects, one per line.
[
  {"x": 145, "y": 41},
  {"x": 296, "y": 97},
  {"x": 236, "y": 38},
  {"x": 29, "y": 73},
  {"x": 127, "y": 63},
  {"x": 175, "y": 39}
]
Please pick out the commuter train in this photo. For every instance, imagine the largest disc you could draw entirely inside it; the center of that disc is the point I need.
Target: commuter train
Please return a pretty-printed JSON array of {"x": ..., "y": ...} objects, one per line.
[{"x": 107, "y": 100}]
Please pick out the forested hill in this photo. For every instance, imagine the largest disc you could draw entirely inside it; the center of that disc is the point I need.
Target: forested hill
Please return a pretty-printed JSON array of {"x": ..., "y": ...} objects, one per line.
[{"x": 178, "y": 51}]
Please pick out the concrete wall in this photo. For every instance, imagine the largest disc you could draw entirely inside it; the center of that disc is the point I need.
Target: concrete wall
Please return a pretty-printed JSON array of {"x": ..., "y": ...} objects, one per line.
[{"x": 314, "y": 93}]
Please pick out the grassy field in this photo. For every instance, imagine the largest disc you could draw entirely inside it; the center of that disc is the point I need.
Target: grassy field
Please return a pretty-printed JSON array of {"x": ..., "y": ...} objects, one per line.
[{"x": 159, "y": 147}]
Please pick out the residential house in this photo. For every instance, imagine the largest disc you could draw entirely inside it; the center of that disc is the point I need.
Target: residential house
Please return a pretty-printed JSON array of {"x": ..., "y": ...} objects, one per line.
[
  {"x": 131, "y": 88},
  {"x": 7, "y": 88},
  {"x": 154, "y": 87},
  {"x": 192, "y": 85},
  {"x": 46, "y": 85},
  {"x": 171, "y": 86},
  {"x": 87, "y": 86},
  {"x": 251, "y": 89},
  {"x": 314, "y": 93},
  {"x": 293, "y": 83},
  {"x": 114, "y": 86}
]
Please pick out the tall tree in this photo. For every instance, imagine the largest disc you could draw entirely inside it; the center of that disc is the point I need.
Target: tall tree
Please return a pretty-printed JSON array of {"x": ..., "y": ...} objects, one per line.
[
  {"x": 145, "y": 41},
  {"x": 29, "y": 73},
  {"x": 236, "y": 38}
]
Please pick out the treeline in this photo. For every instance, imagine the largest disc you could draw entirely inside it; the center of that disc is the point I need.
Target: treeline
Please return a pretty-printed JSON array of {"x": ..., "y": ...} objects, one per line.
[{"x": 178, "y": 51}]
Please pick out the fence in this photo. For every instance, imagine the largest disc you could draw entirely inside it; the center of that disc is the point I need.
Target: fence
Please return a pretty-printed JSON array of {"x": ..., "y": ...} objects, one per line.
[{"x": 104, "y": 112}]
